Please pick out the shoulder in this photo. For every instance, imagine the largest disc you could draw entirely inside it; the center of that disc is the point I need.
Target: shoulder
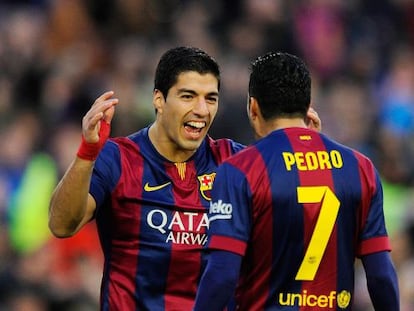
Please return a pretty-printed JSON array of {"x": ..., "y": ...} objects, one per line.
[
  {"x": 362, "y": 159},
  {"x": 354, "y": 157},
  {"x": 245, "y": 159},
  {"x": 131, "y": 141},
  {"x": 223, "y": 148}
]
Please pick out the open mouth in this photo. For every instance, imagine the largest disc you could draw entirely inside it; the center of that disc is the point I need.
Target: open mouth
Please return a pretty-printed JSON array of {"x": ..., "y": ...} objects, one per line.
[{"x": 194, "y": 128}]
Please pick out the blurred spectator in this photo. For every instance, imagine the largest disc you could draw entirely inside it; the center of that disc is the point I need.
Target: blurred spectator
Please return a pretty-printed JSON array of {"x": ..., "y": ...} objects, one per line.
[
  {"x": 348, "y": 113},
  {"x": 320, "y": 31},
  {"x": 396, "y": 94}
]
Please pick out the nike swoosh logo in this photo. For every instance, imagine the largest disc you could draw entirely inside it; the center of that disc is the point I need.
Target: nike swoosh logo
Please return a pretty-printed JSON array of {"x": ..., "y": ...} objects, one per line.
[{"x": 149, "y": 188}]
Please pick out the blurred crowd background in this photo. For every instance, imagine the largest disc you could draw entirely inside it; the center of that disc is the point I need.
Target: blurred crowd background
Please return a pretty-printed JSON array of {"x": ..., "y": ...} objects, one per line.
[{"x": 57, "y": 56}]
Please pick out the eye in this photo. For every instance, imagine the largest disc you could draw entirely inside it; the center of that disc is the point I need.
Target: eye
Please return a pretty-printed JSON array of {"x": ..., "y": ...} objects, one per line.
[
  {"x": 212, "y": 99},
  {"x": 187, "y": 96}
]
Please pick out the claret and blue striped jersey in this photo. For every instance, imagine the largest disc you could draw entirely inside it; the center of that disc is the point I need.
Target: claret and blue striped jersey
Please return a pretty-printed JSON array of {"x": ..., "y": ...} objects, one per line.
[
  {"x": 300, "y": 208},
  {"x": 152, "y": 220}
]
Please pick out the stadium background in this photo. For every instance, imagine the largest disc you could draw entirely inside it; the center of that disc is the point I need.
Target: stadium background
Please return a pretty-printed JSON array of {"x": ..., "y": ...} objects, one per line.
[{"x": 57, "y": 56}]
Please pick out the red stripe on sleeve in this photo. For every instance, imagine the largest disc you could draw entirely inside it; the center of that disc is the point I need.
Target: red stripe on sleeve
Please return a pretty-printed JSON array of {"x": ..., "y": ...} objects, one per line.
[
  {"x": 374, "y": 245},
  {"x": 228, "y": 244}
]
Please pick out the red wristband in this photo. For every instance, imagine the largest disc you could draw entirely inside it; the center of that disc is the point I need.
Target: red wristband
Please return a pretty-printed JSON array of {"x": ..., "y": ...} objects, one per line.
[{"x": 90, "y": 151}]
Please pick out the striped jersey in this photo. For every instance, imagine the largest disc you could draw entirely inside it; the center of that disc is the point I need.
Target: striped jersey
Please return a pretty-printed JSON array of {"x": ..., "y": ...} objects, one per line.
[
  {"x": 152, "y": 219},
  {"x": 300, "y": 208}
]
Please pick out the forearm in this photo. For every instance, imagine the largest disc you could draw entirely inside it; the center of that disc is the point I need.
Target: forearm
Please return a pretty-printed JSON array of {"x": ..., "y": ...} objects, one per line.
[
  {"x": 384, "y": 292},
  {"x": 68, "y": 209},
  {"x": 382, "y": 281},
  {"x": 71, "y": 206},
  {"x": 218, "y": 282}
]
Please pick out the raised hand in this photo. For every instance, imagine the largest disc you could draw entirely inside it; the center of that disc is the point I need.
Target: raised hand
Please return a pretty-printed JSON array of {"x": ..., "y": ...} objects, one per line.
[{"x": 96, "y": 126}]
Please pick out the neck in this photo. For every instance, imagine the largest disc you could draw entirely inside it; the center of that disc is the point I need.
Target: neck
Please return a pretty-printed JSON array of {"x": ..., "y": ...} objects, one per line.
[{"x": 276, "y": 124}]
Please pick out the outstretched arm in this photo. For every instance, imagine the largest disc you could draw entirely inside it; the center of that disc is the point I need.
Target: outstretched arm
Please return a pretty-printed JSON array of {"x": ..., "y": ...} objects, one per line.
[
  {"x": 382, "y": 281},
  {"x": 71, "y": 205}
]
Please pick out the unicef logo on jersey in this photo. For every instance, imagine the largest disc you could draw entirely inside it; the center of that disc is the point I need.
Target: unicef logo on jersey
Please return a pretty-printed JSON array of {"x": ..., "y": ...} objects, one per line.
[
  {"x": 324, "y": 301},
  {"x": 220, "y": 210}
]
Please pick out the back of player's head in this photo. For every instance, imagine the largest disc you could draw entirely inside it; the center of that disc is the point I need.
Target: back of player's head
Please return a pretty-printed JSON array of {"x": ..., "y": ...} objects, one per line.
[
  {"x": 281, "y": 84},
  {"x": 182, "y": 59}
]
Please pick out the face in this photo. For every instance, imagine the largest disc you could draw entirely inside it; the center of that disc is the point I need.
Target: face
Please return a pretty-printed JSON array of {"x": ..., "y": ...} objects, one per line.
[{"x": 185, "y": 115}]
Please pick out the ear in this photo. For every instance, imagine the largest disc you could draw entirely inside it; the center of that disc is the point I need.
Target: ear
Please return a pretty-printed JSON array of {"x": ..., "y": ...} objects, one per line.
[
  {"x": 158, "y": 100},
  {"x": 255, "y": 117},
  {"x": 253, "y": 109}
]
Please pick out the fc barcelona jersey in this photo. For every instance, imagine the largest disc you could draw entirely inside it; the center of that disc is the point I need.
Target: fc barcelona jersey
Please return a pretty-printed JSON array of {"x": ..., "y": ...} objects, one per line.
[
  {"x": 152, "y": 220},
  {"x": 300, "y": 208}
]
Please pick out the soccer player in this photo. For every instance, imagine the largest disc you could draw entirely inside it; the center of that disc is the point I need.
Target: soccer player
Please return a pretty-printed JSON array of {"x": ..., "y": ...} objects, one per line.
[
  {"x": 290, "y": 214},
  {"x": 150, "y": 192}
]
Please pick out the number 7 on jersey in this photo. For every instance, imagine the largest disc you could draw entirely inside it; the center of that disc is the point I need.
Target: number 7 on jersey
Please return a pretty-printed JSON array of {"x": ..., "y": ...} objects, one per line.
[{"x": 323, "y": 228}]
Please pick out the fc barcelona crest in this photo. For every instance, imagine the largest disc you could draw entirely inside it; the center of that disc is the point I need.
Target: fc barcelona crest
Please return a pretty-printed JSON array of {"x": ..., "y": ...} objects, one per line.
[{"x": 206, "y": 184}]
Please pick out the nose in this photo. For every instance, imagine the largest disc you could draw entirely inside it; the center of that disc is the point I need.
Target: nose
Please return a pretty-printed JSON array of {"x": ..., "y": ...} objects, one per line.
[{"x": 201, "y": 107}]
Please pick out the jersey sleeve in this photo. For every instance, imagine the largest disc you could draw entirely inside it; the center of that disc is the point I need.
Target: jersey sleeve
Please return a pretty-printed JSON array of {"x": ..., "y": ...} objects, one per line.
[
  {"x": 229, "y": 214},
  {"x": 374, "y": 237},
  {"x": 106, "y": 172}
]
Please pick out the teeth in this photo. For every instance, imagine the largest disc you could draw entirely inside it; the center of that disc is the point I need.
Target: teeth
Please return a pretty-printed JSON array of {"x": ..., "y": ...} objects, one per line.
[{"x": 195, "y": 124}]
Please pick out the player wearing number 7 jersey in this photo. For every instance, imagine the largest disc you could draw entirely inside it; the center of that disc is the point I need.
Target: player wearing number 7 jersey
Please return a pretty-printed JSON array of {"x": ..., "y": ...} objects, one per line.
[{"x": 292, "y": 212}]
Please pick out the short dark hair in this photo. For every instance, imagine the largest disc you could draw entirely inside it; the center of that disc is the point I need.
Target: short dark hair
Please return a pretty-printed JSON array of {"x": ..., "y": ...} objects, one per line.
[
  {"x": 181, "y": 59},
  {"x": 281, "y": 84}
]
